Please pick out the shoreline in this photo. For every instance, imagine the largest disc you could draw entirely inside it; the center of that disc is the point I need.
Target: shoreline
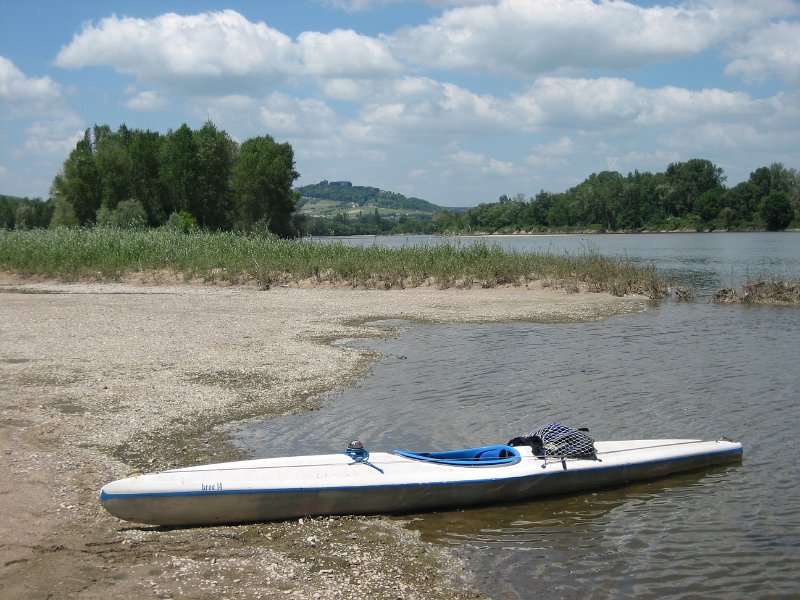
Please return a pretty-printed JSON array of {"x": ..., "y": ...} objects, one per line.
[
  {"x": 610, "y": 232},
  {"x": 98, "y": 379}
]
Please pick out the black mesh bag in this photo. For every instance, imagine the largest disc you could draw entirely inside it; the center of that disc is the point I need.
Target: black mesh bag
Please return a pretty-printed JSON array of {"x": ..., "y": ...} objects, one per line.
[{"x": 556, "y": 440}]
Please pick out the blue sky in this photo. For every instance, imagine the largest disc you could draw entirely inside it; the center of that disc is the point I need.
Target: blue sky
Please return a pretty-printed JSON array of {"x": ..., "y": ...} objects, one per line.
[{"x": 455, "y": 101}]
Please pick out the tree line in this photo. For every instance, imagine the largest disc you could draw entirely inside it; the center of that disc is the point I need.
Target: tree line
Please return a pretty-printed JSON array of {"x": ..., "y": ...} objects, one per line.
[
  {"x": 369, "y": 222},
  {"x": 689, "y": 195},
  {"x": 202, "y": 177}
]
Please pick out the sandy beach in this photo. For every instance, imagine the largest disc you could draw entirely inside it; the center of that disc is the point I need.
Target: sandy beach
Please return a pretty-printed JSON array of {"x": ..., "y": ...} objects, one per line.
[{"x": 101, "y": 379}]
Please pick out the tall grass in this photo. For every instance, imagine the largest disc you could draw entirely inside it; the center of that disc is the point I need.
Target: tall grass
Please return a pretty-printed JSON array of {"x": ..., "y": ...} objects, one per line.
[{"x": 110, "y": 254}]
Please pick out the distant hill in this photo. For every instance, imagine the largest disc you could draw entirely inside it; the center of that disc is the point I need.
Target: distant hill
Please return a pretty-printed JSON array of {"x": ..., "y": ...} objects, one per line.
[
  {"x": 327, "y": 198},
  {"x": 15, "y": 199}
]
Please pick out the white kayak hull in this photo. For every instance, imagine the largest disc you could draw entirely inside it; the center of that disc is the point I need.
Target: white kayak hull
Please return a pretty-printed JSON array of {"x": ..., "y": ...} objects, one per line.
[{"x": 334, "y": 484}]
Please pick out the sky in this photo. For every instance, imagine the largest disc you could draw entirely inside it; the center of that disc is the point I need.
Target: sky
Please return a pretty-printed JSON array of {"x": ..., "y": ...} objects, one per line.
[{"x": 456, "y": 102}]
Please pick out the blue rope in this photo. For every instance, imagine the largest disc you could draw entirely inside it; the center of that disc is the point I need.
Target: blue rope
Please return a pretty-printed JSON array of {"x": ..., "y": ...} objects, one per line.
[{"x": 359, "y": 455}]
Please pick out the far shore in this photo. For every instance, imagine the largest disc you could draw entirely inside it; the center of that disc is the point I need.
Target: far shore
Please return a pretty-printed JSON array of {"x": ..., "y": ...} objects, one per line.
[
  {"x": 570, "y": 233},
  {"x": 100, "y": 379}
]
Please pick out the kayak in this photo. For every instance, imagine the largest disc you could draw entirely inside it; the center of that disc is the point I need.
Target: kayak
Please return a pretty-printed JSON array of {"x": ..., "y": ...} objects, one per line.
[{"x": 357, "y": 482}]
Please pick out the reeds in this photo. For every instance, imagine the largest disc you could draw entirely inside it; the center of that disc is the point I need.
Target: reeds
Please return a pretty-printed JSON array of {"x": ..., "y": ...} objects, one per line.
[
  {"x": 112, "y": 254},
  {"x": 760, "y": 291}
]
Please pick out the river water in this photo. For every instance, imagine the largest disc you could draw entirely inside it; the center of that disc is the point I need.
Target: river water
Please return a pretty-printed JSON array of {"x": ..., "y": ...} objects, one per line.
[{"x": 675, "y": 370}]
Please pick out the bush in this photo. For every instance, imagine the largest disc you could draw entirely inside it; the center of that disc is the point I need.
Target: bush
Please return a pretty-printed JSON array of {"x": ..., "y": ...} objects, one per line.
[
  {"x": 182, "y": 221},
  {"x": 776, "y": 210},
  {"x": 129, "y": 214},
  {"x": 63, "y": 215}
]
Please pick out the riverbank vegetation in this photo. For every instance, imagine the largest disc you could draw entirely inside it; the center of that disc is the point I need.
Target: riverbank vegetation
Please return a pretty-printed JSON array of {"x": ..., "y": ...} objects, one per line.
[
  {"x": 689, "y": 196},
  {"x": 131, "y": 178},
  {"x": 70, "y": 254},
  {"x": 760, "y": 291}
]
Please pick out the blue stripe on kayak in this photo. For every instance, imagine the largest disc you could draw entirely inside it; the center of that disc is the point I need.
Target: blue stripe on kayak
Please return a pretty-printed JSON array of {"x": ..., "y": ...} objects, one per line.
[{"x": 105, "y": 496}]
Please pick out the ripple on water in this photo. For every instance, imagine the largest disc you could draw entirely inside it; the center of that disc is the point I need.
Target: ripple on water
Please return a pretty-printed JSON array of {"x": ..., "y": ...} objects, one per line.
[{"x": 674, "y": 371}]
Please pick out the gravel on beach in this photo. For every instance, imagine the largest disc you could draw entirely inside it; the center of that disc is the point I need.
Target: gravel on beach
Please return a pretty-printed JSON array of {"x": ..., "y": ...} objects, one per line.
[{"x": 101, "y": 379}]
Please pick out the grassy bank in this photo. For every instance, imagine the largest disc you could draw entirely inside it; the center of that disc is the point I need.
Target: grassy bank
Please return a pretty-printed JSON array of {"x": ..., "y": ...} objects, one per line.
[{"x": 109, "y": 254}]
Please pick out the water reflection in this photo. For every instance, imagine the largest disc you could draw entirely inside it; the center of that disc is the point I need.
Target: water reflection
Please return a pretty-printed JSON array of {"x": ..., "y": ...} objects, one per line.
[
  {"x": 581, "y": 542},
  {"x": 676, "y": 370}
]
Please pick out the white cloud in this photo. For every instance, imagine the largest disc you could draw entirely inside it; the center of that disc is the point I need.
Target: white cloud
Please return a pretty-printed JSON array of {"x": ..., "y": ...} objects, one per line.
[
  {"x": 608, "y": 103},
  {"x": 561, "y": 101},
  {"x": 500, "y": 167},
  {"x": 217, "y": 53},
  {"x": 551, "y": 154},
  {"x": 43, "y": 145},
  {"x": 774, "y": 50},
  {"x": 355, "y": 106},
  {"x": 529, "y": 38},
  {"x": 563, "y": 146},
  {"x": 410, "y": 109},
  {"x": 297, "y": 118},
  {"x": 678, "y": 105},
  {"x": 39, "y": 130},
  {"x": 278, "y": 114},
  {"x": 54, "y": 137},
  {"x": 147, "y": 101},
  {"x": 570, "y": 124},
  {"x": 345, "y": 53},
  {"x": 26, "y": 101},
  {"x": 25, "y": 95},
  {"x": 359, "y": 5},
  {"x": 468, "y": 159},
  {"x": 201, "y": 53},
  {"x": 478, "y": 162}
]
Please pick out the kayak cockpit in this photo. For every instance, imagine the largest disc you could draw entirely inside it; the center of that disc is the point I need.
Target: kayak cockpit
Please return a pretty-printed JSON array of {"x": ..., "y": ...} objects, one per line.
[{"x": 485, "y": 455}]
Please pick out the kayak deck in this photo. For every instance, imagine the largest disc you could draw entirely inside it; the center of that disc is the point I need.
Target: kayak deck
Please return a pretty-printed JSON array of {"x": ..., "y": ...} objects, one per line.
[{"x": 288, "y": 487}]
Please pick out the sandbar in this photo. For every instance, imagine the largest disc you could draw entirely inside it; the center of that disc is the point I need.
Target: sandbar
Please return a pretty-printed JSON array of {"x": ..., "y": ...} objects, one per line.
[{"x": 101, "y": 379}]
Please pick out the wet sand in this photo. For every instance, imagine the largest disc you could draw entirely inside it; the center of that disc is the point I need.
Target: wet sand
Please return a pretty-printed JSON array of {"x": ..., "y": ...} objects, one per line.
[{"x": 101, "y": 379}]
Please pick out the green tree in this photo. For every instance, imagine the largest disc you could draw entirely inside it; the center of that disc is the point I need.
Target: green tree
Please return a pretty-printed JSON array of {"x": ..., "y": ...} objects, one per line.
[
  {"x": 113, "y": 163},
  {"x": 178, "y": 169},
  {"x": 129, "y": 214},
  {"x": 687, "y": 182},
  {"x": 262, "y": 183},
  {"x": 183, "y": 222},
  {"x": 215, "y": 155},
  {"x": 63, "y": 214},
  {"x": 79, "y": 183},
  {"x": 776, "y": 211},
  {"x": 640, "y": 205},
  {"x": 596, "y": 199},
  {"x": 6, "y": 213},
  {"x": 746, "y": 198},
  {"x": 24, "y": 216},
  {"x": 760, "y": 184},
  {"x": 708, "y": 206},
  {"x": 788, "y": 181},
  {"x": 146, "y": 186},
  {"x": 448, "y": 220},
  {"x": 538, "y": 207},
  {"x": 558, "y": 215}
]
